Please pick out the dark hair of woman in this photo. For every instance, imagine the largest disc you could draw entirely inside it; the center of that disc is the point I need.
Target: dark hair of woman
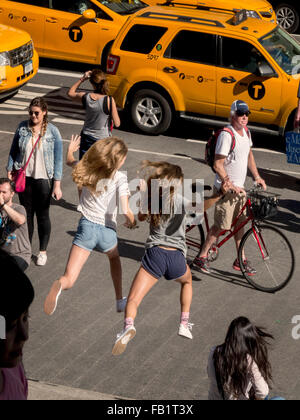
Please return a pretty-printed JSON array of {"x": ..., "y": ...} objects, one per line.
[
  {"x": 99, "y": 82},
  {"x": 42, "y": 104},
  {"x": 231, "y": 359}
]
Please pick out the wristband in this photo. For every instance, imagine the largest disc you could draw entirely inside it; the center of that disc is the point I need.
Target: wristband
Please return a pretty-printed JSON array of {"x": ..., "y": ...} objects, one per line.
[{"x": 257, "y": 178}]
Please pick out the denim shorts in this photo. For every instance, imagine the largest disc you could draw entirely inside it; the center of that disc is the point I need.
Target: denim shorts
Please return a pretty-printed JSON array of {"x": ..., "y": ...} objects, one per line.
[
  {"x": 91, "y": 236},
  {"x": 161, "y": 262},
  {"x": 85, "y": 143}
]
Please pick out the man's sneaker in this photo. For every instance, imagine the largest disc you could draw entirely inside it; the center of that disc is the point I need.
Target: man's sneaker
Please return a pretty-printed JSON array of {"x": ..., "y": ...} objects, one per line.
[
  {"x": 248, "y": 269},
  {"x": 41, "y": 258},
  {"x": 185, "y": 331},
  {"x": 52, "y": 298},
  {"x": 121, "y": 304},
  {"x": 122, "y": 340},
  {"x": 202, "y": 263}
]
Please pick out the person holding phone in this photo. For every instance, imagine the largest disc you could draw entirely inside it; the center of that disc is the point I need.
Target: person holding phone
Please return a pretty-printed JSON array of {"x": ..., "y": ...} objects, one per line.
[{"x": 43, "y": 173}]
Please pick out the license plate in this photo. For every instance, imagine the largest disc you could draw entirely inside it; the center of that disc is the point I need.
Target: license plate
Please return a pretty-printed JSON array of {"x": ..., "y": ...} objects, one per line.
[{"x": 28, "y": 67}]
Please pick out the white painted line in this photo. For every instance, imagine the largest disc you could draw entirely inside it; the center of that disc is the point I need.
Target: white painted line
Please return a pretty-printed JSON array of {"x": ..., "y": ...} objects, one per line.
[
  {"x": 35, "y": 85},
  {"x": 160, "y": 154},
  {"x": 196, "y": 141},
  {"x": 25, "y": 112},
  {"x": 283, "y": 171},
  {"x": 28, "y": 93},
  {"x": 59, "y": 73},
  {"x": 12, "y": 106},
  {"x": 67, "y": 121},
  {"x": 256, "y": 149},
  {"x": 7, "y": 132},
  {"x": 10, "y": 101}
]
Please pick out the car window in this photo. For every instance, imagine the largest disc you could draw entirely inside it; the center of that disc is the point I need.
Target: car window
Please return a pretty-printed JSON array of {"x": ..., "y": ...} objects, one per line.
[
  {"x": 188, "y": 46},
  {"x": 142, "y": 38},
  {"x": 40, "y": 3},
  {"x": 284, "y": 49},
  {"x": 240, "y": 55},
  {"x": 72, "y": 6},
  {"x": 124, "y": 7}
]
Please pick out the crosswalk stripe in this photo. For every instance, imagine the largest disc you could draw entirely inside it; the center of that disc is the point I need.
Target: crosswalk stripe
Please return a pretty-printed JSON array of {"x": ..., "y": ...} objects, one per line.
[
  {"x": 67, "y": 121},
  {"x": 59, "y": 73},
  {"x": 12, "y": 106},
  {"x": 36, "y": 85}
]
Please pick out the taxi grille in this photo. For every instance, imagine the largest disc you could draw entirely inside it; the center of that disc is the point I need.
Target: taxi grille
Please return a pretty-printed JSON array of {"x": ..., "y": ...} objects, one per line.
[{"x": 21, "y": 55}]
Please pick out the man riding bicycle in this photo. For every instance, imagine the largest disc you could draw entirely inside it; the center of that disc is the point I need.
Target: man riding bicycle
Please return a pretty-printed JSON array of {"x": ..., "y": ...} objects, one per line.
[{"x": 231, "y": 171}]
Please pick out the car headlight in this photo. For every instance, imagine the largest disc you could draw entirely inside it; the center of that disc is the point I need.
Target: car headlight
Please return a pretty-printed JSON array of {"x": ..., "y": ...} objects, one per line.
[
  {"x": 253, "y": 14},
  {"x": 4, "y": 59}
]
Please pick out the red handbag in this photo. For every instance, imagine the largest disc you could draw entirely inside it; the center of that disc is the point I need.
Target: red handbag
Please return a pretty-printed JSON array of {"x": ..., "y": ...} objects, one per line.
[{"x": 19, "y": 176}]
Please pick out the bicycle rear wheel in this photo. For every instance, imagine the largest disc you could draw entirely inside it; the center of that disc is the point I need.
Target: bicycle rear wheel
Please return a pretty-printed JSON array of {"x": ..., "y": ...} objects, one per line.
[
  {"x": 194, "y": 236},
  {"x": 270, "y": 253}
]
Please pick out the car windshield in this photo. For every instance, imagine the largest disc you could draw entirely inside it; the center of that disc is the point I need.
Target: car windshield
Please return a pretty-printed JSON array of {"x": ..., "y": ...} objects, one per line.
[
  {"x": 284, "y": 49},
  {"x": 123, "y": 7}
]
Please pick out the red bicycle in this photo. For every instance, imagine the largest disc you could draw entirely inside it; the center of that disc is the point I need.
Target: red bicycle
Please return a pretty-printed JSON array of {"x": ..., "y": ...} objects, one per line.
[{"x": 268, "y": 249}]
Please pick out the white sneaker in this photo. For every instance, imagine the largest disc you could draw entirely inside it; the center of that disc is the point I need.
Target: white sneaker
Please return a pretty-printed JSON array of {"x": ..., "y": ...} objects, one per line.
[
  {"x": 185, "y": 331},
  {"x": 41, "y": 258},
  {"x": 121, "y": 304},
  {"x": 122, "y": 340},
  {"x": 52, "y": 298}
]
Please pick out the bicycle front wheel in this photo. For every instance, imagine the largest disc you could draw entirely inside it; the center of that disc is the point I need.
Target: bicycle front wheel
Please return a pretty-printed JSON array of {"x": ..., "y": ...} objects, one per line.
[
  {"x": 194, "y": 236},
  {"x": 270, "y": 253}
]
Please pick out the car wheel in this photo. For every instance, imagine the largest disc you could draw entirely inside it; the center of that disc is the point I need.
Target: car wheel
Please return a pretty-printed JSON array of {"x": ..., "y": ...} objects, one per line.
[
  {"x": 151, "y": 112},
  {"x": 287, "y": 17}
]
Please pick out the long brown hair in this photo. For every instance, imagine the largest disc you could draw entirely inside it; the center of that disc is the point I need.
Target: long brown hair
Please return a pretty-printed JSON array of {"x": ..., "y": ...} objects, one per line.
[
  {"x": 42, "y": 104},
  {"x": 167, "y": 178},
  {"x": 99, "y": 82},
  {"x": 100, "y": 162},
  {"x": 231, "y": 361}
]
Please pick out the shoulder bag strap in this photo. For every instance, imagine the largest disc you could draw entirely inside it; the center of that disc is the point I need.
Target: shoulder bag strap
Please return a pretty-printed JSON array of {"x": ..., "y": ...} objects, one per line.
[{"x": 26, "y": 164}]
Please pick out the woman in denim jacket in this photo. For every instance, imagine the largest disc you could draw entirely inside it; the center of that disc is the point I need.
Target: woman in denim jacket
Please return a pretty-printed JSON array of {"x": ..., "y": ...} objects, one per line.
[{"x": 43, "y": 173}]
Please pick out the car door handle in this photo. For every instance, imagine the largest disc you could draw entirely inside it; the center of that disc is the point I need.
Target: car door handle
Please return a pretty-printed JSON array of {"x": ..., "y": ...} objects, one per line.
[
  {"x": 171, "y": 69},
  {"x": 228, "y": 79},
  {"x": 51, "y": 20}
]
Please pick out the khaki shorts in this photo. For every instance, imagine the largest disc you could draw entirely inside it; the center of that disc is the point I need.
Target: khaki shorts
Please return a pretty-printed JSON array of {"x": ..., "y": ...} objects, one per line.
[{"x": 228, "y": 208}]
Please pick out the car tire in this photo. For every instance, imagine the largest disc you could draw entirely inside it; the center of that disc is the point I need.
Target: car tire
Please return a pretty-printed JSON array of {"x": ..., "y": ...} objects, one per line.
[
  {"x": 150, "y": 112},
  {"x": 287, "y": 17}
]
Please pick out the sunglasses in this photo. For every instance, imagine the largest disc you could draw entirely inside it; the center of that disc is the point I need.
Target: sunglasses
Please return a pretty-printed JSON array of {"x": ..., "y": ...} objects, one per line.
[
  {"x": 242, "y": 113},
  {"x": 36, "y": 113}
]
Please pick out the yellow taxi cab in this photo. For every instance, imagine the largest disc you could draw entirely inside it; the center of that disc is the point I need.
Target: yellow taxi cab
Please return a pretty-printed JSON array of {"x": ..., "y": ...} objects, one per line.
[
  {"x": 260, "y": 9},
  {"x": 194, "y": 64},
  {"x": 18, "y": 60},
  {"x": 74, "y": 30}
]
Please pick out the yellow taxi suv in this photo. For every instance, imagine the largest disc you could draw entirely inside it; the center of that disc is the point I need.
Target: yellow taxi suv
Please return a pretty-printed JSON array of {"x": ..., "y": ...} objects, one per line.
[
  {"x": 74, "y": 30},
  {"x": 194, "y": 64},
  {"x": 18, "y": 60},
  {"x": 259, "y": 9}
]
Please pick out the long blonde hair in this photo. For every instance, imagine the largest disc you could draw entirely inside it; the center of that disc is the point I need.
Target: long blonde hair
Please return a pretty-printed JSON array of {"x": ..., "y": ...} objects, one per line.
[
  {"x": 100, "y": 162},
  {"x": 161, "y": 171}
]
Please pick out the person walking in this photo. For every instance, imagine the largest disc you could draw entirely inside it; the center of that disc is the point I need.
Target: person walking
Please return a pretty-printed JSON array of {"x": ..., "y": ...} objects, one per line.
[
  {"x": 165, "y": 253},
  {"x": 102, "y": 183},
  {"x": 101, "y": 110},
  {"x": 239, "y": 369},
  {"x": 14, "y": 237},
  {"x": 231, "y": 171},
  {"x": 44, "y": 170}
]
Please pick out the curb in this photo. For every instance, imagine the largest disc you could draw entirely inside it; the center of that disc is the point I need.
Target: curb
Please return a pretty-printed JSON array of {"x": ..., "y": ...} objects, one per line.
[{"x": 38, "y": 390}]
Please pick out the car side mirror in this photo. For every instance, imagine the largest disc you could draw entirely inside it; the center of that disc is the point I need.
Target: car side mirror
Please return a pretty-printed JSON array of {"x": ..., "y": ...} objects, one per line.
[
  {"x": 89, "y": 14},
  {"x": 265, "y": 70}
]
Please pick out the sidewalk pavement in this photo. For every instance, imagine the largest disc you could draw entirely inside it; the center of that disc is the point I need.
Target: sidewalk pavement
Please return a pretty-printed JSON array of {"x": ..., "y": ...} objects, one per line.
[{"x": 38, "y": 390}]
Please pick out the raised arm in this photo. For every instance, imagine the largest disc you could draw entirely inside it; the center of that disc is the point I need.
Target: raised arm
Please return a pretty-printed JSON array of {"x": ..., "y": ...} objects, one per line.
[{"x": 72, "y": 93}]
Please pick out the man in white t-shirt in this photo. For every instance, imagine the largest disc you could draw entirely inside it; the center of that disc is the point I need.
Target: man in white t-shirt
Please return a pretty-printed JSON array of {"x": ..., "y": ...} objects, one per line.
[{"x": 231, "y": 171}]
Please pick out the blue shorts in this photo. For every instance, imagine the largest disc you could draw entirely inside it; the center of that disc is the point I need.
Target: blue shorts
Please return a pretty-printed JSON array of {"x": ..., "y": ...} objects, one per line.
[
  {"x": 85, "y": 143},
  {"x": 161, "y": 262},
  {"x": 91, "y": 236}
]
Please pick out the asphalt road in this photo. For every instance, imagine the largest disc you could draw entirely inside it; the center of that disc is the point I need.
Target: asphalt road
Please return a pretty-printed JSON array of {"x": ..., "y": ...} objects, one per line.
[{"x": 73, "y": 347}]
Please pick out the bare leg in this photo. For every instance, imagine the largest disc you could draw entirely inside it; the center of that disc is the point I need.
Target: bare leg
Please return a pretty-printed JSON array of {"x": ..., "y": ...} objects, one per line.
[
  {"x": 186, "y": 290},
  {"x": 142, "y": 284},
  {"x": 116, "y": 271},
  {"x": 77, "y": 258},
  {"x": 210, "y": 240},
  {"x": 238, "y": 237}
]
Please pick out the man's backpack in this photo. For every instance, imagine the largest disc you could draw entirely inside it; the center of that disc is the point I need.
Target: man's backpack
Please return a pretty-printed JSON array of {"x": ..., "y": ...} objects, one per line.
[{"x": 210, "y": 148}]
